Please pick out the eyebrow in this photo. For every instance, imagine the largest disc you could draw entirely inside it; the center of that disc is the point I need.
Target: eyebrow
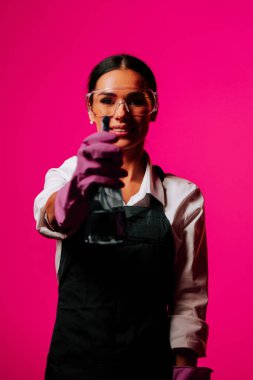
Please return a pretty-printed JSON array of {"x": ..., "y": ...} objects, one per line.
[{"x": 107, "y": 93}]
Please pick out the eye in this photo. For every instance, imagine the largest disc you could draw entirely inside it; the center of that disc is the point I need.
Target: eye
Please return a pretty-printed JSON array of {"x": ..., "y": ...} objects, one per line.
[
  {"x": 107, "y": 100},
  {"x": 137, "y": 100}
]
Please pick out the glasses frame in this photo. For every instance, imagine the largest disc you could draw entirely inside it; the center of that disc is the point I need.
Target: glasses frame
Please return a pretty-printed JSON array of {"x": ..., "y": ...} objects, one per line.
[{"x": 89, "y": 94}]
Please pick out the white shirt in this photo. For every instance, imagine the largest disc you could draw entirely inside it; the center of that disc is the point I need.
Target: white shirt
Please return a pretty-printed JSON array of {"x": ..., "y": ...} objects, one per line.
[{"x": 183, "y": 206}]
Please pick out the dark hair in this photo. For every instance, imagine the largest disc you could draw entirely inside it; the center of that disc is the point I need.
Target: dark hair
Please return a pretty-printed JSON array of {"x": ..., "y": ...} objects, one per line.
[{"x": 119, "y": 61}]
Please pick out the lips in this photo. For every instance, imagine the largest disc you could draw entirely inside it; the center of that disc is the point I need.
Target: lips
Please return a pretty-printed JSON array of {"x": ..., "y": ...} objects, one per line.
[{"x": 121, "y": 129}]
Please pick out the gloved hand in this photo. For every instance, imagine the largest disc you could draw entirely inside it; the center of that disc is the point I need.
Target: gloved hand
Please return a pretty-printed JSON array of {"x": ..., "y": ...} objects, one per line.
[
  {"x": 98, "y": 163},
  {"x": 191, "y": 373}
]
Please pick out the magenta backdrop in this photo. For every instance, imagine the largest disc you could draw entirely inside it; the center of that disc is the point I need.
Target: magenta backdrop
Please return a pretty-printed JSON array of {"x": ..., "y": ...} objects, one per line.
[{"x": 202, "y": 55}]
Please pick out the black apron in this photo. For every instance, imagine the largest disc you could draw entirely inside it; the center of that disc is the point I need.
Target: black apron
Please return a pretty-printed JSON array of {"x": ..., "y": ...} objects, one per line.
[{"x": 112, "y": 316}]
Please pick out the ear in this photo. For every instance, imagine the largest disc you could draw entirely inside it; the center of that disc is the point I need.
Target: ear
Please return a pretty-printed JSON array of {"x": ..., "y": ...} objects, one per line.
[
  {"x": 153, "y": 116},
  {"x": 91, "y": 117}
]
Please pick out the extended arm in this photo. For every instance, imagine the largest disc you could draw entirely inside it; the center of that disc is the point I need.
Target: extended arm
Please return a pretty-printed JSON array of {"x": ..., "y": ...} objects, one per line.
[{"x": 98, "y": 163}]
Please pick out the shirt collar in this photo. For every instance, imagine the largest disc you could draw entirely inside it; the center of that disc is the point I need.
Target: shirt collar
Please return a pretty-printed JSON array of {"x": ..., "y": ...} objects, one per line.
[{"x": 151, "y": 185}]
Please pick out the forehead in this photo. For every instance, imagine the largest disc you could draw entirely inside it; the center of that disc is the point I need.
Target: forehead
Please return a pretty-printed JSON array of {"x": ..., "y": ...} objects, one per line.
[{"x": 121, "y": 78}]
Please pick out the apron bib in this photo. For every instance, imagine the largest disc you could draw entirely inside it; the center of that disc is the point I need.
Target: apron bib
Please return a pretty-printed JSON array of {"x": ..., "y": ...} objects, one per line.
[{"x": 112, "y": 315}]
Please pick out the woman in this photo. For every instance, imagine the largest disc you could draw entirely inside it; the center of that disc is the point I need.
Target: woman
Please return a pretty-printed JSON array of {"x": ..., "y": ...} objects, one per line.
[{"x": 136, "y": 309}]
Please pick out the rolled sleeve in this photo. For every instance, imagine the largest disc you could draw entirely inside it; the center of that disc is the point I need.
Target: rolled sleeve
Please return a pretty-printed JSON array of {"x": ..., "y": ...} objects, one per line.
[{"x": 188, "y": 326}]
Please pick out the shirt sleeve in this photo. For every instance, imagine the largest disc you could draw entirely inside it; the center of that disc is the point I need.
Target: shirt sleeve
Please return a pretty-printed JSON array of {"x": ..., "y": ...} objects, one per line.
[
  {"x": 188, "y": 326},
  {"x": 55, "y": 179}
]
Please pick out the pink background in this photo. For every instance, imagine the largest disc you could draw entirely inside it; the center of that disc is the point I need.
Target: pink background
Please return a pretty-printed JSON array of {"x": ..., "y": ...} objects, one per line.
[{"x": 202, "y": 55}]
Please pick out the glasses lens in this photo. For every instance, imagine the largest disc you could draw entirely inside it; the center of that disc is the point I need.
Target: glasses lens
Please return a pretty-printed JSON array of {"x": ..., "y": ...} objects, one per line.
[{"x": 107, "y": 102}]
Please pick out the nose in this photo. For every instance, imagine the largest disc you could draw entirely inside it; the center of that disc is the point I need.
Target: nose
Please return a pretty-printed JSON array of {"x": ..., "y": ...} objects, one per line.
[{"x": 121, "y": 109}]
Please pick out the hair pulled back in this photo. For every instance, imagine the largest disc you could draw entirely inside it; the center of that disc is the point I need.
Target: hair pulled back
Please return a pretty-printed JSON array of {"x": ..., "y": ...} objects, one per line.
[{"x": 121, "y": 61}]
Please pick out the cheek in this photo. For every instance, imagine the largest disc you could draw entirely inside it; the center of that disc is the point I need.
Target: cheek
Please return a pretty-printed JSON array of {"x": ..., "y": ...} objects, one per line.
[
  {"x": 98, "y": 123},
  {"x": 144, "y": 126},
  {"x": 141, "y": 122}
]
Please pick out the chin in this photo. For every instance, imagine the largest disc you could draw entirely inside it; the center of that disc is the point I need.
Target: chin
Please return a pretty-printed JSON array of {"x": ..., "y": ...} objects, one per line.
[{"x": 126, "y": 145}]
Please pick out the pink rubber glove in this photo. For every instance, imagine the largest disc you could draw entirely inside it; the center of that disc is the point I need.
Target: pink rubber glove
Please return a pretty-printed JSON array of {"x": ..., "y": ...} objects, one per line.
[
  {"x": 98, "y": 163},
  {"x": 191, "y": 373}
]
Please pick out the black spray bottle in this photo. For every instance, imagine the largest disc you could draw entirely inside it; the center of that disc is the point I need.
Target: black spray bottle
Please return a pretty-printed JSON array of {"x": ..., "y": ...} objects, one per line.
[{"x": 106, "y": 223}]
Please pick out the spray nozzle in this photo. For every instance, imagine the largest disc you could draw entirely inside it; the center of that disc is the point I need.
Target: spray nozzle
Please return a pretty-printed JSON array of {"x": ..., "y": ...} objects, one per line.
[{"x": 105, "y": 123}]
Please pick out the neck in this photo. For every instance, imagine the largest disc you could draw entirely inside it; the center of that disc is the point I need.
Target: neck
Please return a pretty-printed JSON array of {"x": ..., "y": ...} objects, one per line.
[{"x": 134, "y": 161}]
